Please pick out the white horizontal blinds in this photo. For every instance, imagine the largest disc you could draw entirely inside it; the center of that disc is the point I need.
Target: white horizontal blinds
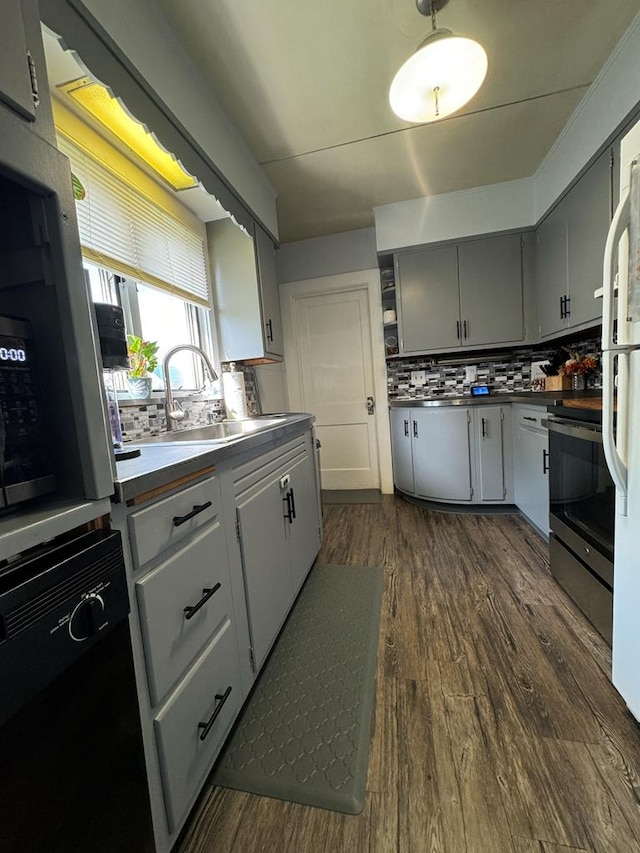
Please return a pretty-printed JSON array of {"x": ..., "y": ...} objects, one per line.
[{"x": 124, "y": 230}]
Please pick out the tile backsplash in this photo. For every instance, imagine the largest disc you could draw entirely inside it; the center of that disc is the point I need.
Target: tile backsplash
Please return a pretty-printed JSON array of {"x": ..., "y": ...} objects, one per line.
[{"x": 502, "y": 373}]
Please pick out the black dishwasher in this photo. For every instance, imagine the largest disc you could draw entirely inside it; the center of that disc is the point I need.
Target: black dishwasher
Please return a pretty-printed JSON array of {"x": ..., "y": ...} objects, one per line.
[{"x": 72, "y": 772}]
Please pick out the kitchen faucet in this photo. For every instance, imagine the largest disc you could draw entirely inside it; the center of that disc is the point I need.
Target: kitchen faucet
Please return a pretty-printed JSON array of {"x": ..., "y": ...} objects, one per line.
[{"x": 176, "y": 414}]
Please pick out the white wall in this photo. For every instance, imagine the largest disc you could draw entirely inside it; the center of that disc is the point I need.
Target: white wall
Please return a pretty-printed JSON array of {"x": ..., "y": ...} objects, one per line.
[
  {"x": 144, "y": 36},
  {"x": 349, "y": 251}
]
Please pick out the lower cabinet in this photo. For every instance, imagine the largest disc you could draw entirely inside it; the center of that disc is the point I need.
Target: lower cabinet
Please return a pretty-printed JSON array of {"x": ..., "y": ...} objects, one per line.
[
  {"x": 279, "y": 535},
  {"x": 458, "y": 454},
  {"x": 531, "y": 466},
  {"x": 213, "y": 569}
]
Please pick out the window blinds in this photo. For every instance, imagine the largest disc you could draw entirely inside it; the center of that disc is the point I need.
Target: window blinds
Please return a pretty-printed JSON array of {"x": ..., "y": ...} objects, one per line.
[{"x": 122, "y": 229}]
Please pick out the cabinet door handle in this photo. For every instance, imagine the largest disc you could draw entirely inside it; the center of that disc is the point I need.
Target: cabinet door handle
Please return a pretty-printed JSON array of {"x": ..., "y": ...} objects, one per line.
[
  {"x": 458, "y": 329},
  {"x": 290, "y": 514},
  {"x": 293, "y": 503},
  {"x": 545, "y": 461},
  {"x": 406, "y": 428},
  {"x": 269, "y": 326},
  {"x": 207, "y": 593},
  {"x": 567, "y": 306},
  {"x": 205, "y": 728},
  {"x": 484, "y": 428},
  {"x": 180, "y": 519},
  {"x": 562, "y": 307},
  {"x": 528, "y": 418},
  {"x": 464, "y": 329},
  {"x": 415, "y": 429}
]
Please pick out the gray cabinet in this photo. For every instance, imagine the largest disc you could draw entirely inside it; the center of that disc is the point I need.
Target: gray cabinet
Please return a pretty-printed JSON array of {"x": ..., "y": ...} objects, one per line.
[
  {"x": 531, "y": 466},
  {"x": 569, "y": 250},
  {"x": 489, "y": 424},
  {"x": 246, "y": 291},
  {"x": 15, "y": 76},
  {"x": 401, "y": 449},
  {"x": 458, "y": 454},
  {"x": 278, "y": 535},
  {"x": 468, "y": 295}
]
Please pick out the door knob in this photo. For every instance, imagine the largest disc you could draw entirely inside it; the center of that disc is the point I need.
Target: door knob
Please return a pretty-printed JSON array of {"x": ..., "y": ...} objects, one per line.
[{"x": 371, "y": 405}]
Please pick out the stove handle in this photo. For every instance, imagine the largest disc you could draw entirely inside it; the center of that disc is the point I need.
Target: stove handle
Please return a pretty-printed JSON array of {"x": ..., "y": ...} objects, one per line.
[{"x": 574, "y": 430}]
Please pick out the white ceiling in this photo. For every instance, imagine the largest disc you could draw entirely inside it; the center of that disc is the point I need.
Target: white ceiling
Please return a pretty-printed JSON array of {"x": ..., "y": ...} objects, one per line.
[{"x": 306, "y": 84}]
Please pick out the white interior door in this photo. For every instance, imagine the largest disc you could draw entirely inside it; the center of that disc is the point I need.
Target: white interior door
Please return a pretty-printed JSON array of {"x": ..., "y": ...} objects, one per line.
[{"x": 330, "y": 373}]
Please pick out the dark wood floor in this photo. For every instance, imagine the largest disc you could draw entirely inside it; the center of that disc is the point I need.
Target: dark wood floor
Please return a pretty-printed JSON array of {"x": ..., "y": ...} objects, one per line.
[{"x": 496, "y": 730}]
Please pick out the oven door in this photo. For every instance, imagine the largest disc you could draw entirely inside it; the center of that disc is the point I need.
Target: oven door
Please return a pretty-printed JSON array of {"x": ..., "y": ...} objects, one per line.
[{"x": 581, "y": 491}]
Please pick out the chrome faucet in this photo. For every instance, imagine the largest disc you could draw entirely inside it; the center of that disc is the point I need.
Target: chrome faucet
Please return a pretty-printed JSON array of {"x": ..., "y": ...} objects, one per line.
[{"x": 173, "y": 413}]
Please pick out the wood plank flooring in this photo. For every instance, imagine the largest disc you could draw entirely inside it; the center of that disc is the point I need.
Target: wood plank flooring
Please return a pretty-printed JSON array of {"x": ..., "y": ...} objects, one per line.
[{"x": 496, "y": 727}]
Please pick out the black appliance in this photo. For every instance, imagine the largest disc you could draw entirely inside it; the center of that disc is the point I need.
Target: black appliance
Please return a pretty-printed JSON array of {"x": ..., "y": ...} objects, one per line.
[
  {"x": 582, "y": 514},
  {"x": 72, "y": 771},
  {"x": 25, "y": 466}
]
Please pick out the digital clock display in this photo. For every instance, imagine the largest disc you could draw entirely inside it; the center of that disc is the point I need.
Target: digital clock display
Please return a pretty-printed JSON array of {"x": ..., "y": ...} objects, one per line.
[
  {"x": 479, "y": 390},
  {"x": 13, "y": 354}
]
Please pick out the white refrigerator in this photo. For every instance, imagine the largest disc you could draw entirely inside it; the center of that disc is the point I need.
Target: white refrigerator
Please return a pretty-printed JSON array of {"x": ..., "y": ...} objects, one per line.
[{"x": 621, "y": 424}]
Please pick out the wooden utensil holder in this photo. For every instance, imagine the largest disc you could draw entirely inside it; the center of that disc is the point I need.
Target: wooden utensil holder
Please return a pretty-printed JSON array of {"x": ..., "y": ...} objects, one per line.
[{"x": 557, "y": 383}]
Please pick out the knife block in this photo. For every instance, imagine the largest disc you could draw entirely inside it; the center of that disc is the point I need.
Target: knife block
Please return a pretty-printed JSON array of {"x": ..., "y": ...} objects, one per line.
[{"x": 557, "y": 383}]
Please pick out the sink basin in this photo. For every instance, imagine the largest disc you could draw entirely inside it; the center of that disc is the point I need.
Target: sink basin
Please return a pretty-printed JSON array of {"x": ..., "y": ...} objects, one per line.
[{"x": 220, "y": 432}]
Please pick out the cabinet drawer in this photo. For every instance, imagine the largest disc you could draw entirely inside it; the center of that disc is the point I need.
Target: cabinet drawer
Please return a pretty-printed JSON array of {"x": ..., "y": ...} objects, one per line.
[
  {"x": 157, "y": 527},
  {"x": 172, "y": 637},
  {"x": 530, "y": 417},
  {"x": 185, "y": 758}
]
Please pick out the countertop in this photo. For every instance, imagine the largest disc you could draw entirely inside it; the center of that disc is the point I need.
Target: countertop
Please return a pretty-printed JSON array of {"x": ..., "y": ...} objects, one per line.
[
  {"x": 162, "y": 462},
  {"x": 575, "y": 399}
]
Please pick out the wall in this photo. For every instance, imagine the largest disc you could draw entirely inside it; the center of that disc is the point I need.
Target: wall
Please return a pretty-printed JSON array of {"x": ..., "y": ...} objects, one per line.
[{"x": 349, "y": 251}]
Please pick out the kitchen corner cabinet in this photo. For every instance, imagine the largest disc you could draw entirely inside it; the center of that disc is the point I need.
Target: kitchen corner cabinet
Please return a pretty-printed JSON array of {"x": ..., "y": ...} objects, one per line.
[
  {"x": 246, "y": 289},
  {"x": 531, "y": 466},
  {"x": 461, "y": 296},
  {"x": 569, "y": 250},
  {"x": 454, "y": 454}
]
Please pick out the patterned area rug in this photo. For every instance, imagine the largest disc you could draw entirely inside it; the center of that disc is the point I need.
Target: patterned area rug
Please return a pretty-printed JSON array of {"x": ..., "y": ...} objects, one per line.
[{"x": 304, "y": 734}]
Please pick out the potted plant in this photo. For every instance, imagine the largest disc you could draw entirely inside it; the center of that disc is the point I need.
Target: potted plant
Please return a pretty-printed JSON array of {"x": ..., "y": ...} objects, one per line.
[
  {"x": 578, "y": 367},
  {"x": 143, "y": 360}
]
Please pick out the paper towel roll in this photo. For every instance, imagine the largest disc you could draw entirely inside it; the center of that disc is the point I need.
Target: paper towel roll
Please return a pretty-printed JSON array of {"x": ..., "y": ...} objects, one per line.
[{"x": 235, "y": 398}]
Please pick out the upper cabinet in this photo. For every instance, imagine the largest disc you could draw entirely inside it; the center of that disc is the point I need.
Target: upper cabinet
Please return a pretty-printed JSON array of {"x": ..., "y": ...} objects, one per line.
[
  {"x": 569, "y": 251},
  {"x": 246, "y": 290},
  {"x": 467, "y": 295}
]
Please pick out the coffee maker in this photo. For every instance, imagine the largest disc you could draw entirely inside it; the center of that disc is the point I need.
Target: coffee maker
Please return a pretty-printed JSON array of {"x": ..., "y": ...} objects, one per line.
[{"x": 113, "y": 349}]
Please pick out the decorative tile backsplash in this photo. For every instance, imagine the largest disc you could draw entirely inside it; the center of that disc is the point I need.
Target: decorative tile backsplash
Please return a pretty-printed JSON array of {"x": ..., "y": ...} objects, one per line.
[
  {"x": 502, "y": 374},
  {"x": 143, "y": 419}
]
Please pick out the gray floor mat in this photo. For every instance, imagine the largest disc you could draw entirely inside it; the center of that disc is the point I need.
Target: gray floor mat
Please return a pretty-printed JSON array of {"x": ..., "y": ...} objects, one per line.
[{"x": 304, "y": 735}]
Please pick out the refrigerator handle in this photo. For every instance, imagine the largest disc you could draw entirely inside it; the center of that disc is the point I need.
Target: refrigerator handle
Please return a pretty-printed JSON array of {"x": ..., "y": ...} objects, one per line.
[
  {"x": 617, "y": 467},
  {"x": 619, "y": 224}
]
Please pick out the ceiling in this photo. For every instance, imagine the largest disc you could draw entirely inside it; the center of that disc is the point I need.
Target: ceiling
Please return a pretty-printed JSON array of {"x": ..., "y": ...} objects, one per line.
[{"x": 306, "y": 84}]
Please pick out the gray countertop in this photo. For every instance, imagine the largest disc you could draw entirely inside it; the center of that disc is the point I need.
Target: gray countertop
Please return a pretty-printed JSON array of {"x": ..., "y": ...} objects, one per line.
[
  {"x": 531, "y": 398},
  {"x": 162, "y": 462}
]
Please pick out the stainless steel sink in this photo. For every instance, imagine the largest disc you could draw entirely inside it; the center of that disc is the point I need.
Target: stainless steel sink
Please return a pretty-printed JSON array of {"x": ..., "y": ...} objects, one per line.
[{"x": 220, "y": 432}]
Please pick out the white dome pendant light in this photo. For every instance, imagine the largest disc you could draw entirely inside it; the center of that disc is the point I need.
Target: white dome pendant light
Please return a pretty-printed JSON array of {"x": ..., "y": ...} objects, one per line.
[{"x": 442, "y": 75}]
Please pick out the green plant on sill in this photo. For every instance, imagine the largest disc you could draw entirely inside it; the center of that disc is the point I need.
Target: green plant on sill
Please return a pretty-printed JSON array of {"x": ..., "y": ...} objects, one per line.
[{"x": 143, "y": 357}]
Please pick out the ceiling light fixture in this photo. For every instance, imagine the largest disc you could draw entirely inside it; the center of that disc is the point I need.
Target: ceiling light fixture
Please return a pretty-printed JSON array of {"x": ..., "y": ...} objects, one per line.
[{"x": 441, "y": 76}]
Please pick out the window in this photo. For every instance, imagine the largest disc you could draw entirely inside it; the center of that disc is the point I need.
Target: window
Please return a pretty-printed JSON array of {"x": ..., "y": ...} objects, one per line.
[{"x": 159, "y": 316}]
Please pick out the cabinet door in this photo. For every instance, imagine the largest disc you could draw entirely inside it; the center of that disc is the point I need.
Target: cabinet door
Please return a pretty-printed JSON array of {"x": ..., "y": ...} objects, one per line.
[
  {"x": 442, "y": 454},
  {"x": 489, "y": 428},
  {"x": 531, "y": 476},
  {"x": 303, "y": 528},
  {"x": 588, "y": 217},
  {"x": 490, "y": 273},
  {"x": 269, "y": 294},
  {"x": 552, "y": 278},
  {"x": 429, "y": 302},
  {"x": 266, "y": 564},
  {"x": 15, "y": 79},
  {"x": 401, "y": 449}
]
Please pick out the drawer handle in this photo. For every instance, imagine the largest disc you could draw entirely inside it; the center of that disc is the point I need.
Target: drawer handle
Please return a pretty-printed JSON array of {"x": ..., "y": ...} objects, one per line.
[
  {"x": 207, "y": 593},
  {"x": 180, "y": 519},
  {"x": 220, "y": 699},
  {"x": 527, "y": 418}
]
